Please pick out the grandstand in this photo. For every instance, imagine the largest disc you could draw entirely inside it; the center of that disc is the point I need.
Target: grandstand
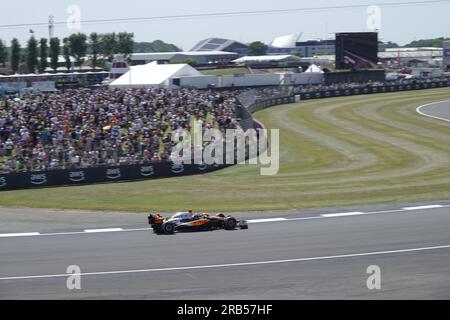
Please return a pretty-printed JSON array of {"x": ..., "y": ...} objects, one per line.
[{"x": 84, "y": 128}]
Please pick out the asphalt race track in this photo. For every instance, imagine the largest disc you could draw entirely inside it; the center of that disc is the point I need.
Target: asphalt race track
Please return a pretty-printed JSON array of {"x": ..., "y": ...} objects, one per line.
[
  {"x": 322, "y": 256},
  {"x": 439, "y": 110}
]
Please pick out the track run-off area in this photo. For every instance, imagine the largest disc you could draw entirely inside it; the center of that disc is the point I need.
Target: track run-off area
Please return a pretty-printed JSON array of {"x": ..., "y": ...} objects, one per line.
[{"x": 340, "y": 151}]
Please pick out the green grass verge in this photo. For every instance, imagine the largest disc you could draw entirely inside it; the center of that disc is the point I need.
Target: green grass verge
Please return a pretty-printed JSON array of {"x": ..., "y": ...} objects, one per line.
[{"x": 341, "y": 151}]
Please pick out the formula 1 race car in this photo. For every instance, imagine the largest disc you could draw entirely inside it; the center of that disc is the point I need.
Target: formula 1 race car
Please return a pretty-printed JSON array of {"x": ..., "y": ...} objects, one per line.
[{"x": 188, "y": 221}]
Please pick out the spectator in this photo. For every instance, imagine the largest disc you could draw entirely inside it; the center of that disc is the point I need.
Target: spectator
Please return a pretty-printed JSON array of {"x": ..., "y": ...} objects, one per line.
[{"x": 87, "y": 128}]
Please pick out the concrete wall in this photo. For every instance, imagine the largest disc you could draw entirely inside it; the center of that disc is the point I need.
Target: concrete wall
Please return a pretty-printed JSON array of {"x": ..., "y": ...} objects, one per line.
[
  {"x": 200, "y": 82},
  {"x": 302, "y": 78},
  {"x": 356, "y": 76},
  {"x": 427, "y": 72},
  {"x": 248, "y": 80}
]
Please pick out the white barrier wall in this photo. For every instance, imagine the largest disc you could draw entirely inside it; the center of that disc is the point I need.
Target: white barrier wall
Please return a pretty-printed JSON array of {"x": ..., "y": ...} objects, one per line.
[
  {"x": 247, "y": 80},
  {"x": 200, "y": 82},
  {"x": 302, "y": 78},
  {"x": 44, "y": 86}
]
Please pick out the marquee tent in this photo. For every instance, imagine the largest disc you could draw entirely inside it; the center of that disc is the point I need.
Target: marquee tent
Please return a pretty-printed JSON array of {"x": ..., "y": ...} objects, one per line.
[{"x": 153, "y": 75}]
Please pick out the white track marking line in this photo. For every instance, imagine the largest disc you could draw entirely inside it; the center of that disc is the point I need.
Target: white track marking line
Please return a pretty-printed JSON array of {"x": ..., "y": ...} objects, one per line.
[
  {"x": 306, "y": 218},
  {"x": 423, "y": 207},
  {"x": 103, "y": 230},
  {"x": 343, "y": 214},
  {"x": 84, "y": 232},
  {"x": 418, "y": 110},
  {"x": 242, "y": 264},
  {"x": 11, "y": 235},
  {"x": 137, "y": 229},
  {"x": 62, "y": 233},
  {"x": 266, "y": 220},
  {"x": 387, "y": 211},
  {"x": 322, "y": 216}
]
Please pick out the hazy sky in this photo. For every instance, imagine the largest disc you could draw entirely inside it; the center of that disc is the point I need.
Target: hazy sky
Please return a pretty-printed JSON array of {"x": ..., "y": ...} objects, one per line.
[{"x": 400, "y": 24}]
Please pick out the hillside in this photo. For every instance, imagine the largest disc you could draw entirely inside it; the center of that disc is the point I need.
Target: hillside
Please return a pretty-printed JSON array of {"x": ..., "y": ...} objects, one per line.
[{"x": 155, "y": 46}]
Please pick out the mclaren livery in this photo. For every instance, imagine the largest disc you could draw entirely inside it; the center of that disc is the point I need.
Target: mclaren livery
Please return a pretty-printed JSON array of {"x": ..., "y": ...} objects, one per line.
[{"x": 188, "y": 221}]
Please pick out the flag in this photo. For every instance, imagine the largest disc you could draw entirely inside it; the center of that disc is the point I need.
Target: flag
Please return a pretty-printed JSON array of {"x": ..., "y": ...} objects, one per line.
[{"x": 162, "y": 148}]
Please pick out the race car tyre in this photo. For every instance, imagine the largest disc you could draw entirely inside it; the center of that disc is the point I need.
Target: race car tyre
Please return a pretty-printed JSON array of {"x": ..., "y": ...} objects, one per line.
[
  {"x": 168, "y": 228},
  {"x": 230, "y": 223}
]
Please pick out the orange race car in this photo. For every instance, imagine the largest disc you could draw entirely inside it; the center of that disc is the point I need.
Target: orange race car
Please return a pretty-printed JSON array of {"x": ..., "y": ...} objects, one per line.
[{"x": 188, "y": 221}]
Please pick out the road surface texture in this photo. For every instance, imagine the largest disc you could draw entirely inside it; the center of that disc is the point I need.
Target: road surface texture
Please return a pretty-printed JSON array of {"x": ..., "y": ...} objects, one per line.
[{"x": 318, "y": 257}]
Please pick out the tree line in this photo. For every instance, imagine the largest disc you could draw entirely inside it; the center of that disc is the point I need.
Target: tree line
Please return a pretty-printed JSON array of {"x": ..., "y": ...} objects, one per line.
[{"x": 34, "y": 57}]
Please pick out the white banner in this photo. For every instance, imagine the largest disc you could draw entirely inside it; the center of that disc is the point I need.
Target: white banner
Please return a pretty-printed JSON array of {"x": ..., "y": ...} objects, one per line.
[{"x": 44, "y": 86}]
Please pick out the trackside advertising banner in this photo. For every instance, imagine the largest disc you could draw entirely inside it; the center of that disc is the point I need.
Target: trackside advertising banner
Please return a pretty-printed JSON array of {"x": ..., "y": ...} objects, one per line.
[
  {"x": 368, "y": 90},
  {"x": 27, "y": 180}
]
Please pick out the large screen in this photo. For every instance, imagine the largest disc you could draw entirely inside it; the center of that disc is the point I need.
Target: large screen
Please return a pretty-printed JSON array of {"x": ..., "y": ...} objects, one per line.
[{"x": 356, "y": 50}]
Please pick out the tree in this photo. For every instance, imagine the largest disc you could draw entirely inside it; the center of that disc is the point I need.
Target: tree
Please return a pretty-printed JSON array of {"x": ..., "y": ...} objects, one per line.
[
  {"x": 3, "y": 54},
  {"x": 66, "y": 53},
  {"x": 94, "y": 44},
  {"x": 43, "y": 55},
  {"x": 55, "y": 49},
  {"x": 257, "y": 48},
  {"x": 155, "y": 46},
  {"x": 391, "y": 44},
  {"x": 78, "y": 47},
  {"x": 32, "y": 55},
  {"x": 125, "y": 43},
  {"x": 15, "y": 55},
  {"x": 437, "y": 42},
  {"x": 108, "y": 45}
]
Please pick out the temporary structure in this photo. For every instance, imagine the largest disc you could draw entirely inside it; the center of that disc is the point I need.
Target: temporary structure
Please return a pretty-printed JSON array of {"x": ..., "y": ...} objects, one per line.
[
  {"x": 314, "y": 68},
  {"x": 153, "y": 75}
]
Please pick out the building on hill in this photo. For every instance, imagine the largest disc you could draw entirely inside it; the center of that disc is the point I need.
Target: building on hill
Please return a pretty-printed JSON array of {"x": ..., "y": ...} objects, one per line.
[
  {"x": 288, "y": 41},
  {"x": 220, "y": 44}
]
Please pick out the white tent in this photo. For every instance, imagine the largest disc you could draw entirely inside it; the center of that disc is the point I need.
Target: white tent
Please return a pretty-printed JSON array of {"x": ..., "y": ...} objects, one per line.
[
  {"x": 288, "y": 41},
  {"x": 314, "y": 68},
  {"x": 153, "y": 75},
  {"x": 262, "y": 59}
]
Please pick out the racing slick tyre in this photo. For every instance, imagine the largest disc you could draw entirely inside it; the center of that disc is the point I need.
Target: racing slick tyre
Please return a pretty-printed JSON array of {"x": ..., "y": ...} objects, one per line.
[
  {"x": 230, "y": 223},
  {"x": 168, "y": 228}
]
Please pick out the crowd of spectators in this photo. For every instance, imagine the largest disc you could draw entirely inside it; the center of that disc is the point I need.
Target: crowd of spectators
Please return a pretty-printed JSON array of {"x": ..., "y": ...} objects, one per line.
[{"x": 83, "y": 128}]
